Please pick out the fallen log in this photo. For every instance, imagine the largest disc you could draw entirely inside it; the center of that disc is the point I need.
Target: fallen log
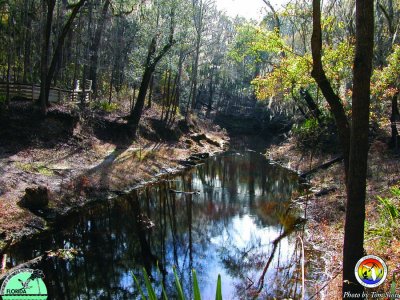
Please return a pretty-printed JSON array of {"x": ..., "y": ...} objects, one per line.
[
  {"x": 30, "y": 264},
  {"x": 323, "y": 166}
]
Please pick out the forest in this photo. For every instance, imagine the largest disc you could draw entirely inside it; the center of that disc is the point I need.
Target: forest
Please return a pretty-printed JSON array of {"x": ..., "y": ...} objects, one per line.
[{"x": 173, "y": 149}]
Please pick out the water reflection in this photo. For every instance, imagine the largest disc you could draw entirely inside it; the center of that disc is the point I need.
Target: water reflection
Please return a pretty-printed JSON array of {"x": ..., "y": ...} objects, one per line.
[{"x": 227, "y": 227}]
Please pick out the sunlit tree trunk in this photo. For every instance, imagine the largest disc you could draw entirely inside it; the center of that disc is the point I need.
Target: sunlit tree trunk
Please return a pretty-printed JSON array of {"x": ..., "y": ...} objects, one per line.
[
  {"x": 354, "y": 140},
  {"x": 331, "y": 97}
]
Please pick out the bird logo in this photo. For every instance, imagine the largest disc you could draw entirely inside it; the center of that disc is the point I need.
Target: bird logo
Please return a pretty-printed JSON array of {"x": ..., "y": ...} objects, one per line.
[{"x": 370, "y": 271}]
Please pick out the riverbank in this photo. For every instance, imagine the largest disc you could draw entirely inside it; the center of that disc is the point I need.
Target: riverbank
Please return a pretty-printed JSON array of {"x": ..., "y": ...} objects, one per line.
[
  {"x": 75, "y": 159},
  {"x": 325, "y": 209}
]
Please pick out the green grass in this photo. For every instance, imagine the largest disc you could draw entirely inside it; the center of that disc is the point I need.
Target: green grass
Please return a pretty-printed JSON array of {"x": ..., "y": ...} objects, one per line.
[
  {"x": 151, "y": 294},
  {"x": 38, "y": 168},
  {"x": 105, "y": 106},
  {"x": 387, "y": 226}
]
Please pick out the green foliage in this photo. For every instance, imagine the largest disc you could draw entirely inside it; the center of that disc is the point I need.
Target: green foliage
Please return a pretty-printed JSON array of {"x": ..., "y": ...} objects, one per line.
[
  {"x": 388, "y": 224},
  {"x": 338, "y": 62},
  {"x": 178, "y": 286},
  {"x": 254, "y": 42},
  {"x": 289, "y": 70},
  {"x": 385, "y": 82},
  {"x": 317, "y": 135},
  {"x": 105, "y": 106},
  {"x": 388, "y": 207},
  {"x": 287, "y": 76},
  {"x": 393, "y": 286},
  {"x": 196, "y": 291},
  {"x": 139, "y": 287},
  {"x": 307, "y": 127},
  {"x": 306, "y": 133},
  {"x": 218, "y": 295},
  {"x": 293, "y": 71}
]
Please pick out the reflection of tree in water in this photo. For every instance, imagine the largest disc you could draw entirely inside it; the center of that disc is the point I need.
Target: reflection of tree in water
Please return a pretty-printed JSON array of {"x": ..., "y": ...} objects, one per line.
[
  {"x": 183, "y": 230},
  {"x": 247, "y": 264}
]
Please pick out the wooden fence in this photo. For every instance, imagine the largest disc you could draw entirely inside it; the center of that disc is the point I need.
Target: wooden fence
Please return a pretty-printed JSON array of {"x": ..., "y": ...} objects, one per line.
[{"x": 56, "y": 95}]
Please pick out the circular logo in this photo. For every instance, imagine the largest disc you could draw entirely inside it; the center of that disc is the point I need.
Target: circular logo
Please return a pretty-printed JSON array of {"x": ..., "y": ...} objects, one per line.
[
  {"x": 370, "y": 271},
  {"x": 24, "y": 284}
]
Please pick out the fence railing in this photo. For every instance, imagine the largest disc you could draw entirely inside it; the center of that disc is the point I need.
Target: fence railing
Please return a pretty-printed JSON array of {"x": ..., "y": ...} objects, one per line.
[{"x": 56, "y": 95}]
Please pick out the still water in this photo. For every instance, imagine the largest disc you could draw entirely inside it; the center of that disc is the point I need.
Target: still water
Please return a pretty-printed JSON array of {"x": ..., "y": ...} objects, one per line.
[{"x": 228, "y": 224}]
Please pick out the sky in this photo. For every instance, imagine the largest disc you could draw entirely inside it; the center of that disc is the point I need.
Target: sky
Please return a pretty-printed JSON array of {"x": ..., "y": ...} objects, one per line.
[{"x": 246, "y": 8}]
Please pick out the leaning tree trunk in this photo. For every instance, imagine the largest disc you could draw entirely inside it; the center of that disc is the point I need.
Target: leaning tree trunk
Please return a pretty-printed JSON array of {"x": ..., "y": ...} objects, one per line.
[
  {"x": 356, "y": 188},
  {"x": 60, "y": 44},
  {"x": 150, "y": 66},
  {"x": 331, "y": 97},
  {"x": 137, "y": 110}
]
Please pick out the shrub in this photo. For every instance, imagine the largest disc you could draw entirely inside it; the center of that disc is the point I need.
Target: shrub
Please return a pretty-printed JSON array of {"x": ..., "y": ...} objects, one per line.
[
  {"x": 316, "y": 134},
  {"x": 105, "y": 106}
]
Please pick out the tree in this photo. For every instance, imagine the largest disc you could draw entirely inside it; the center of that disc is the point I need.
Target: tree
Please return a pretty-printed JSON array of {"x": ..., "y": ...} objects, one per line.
[
  {"x": 149, "y": 67},
  {"x": 386, "y": 85},
  {"x": 47, "y": 73},
  {"x": 354, "y": 139},
  {"x": 95, "y": 46},
  {"x": 60, "y": 43},
  {"x": 200, "y": 10},
  {"x": 48, "y": 17}
]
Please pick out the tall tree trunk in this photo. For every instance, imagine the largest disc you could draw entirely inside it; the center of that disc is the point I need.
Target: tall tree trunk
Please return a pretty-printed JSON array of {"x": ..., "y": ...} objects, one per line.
[
  {"x": 50, "y": 4},
  {"x": 95, "y": 47},
  {"x": 150, "y": 66},
  {"x": 355, "y": 209},
  {"x": 27, "y": 40},
  {"x": 137, "y": 110},
  {"x": 182, "y": 57},
  {"x": 86, "y": 51},
  {"x": 331, "y": 97},
  {"x": 136, "y": 113},
  {"x": 58, "y": 49},
  {"x": 355, "y": 141},
  {"x": 195, "y": 72},
  {"x": 211, "y": 93},
  {"x": 199, "y": 8},
  {"x": 151, "y": 91},
  {"x": 7, "y": 103}
]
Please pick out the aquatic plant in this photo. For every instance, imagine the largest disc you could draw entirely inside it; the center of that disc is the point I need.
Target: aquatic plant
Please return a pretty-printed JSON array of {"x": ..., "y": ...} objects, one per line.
[{"x": 181, "y": 296}]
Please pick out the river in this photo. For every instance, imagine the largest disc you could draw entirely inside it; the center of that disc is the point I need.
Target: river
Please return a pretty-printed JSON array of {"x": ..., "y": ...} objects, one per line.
[{"x": 238, "y": 205}]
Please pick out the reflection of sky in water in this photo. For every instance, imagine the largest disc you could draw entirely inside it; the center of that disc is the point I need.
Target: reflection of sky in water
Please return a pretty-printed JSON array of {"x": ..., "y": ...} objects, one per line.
[
  {"x": 227, "y": 229},
  {"x": 240, "y": 232}
]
